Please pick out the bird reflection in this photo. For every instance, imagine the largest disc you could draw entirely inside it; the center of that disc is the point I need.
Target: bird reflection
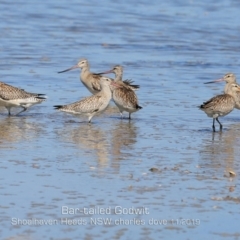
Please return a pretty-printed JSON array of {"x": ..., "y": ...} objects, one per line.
[
  {"x": 91, "y": 139},
  {"x": 115, "y": 142},
  {"x": 124, "y": 136},
  {"x": 223, "y": 148},
  {"x": 15, "y": 129}
]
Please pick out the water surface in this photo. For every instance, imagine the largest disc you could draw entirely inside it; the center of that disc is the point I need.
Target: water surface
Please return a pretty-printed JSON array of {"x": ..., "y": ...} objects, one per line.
[{"x": 51, "y": 159}]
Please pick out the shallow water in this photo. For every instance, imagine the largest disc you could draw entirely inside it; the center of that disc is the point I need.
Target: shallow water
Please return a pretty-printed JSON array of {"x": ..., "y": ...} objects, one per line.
[{"x": 165, "y": 162}]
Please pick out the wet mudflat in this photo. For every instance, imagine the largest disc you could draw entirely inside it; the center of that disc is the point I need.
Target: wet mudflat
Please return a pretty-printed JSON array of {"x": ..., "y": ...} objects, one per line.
[{"x": 163, "y": 174}]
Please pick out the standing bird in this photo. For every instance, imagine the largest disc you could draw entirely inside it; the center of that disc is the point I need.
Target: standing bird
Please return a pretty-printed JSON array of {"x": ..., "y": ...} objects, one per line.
[
  {"x": 15, "y": 97},
  {"x": 118, "y": 71},
  {"x": 229, "y": 78},
  {"x": 92, "y": 105},
  {"x": 124, "y": 96},
  {"x": 90, "y": 80},
  {"x": 221, "y": 105},
  {"x": 125, "y": 99}
]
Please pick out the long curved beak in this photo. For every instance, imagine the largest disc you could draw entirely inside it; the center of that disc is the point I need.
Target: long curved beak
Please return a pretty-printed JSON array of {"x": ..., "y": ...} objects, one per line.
[
  {"x": 113, "y": 83},
  {"x": 110, "y": 71},
  {"x": 218, "y": 80},
  {"x": 69, "y": 69}
]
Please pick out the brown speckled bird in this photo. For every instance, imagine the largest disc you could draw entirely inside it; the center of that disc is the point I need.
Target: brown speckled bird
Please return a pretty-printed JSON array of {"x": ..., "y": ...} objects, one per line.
[
  {"x": 15, "y": 97},
  {"x": 221, "y": 105},
  {"x": 229, "y": 78},
  {"x": 92, "y": 105},
  {"x": 125, "y": 99}
]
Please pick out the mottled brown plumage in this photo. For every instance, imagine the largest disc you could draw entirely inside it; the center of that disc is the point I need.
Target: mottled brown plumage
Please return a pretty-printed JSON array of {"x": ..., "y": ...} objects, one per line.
[
  {"x": 125, "y": 99},
  {"x": 229, "y": 78},
  {"x": 8, "y": 92},
  {"x": 220, "y": 105},
  {"x": 91, "y": 105},
  {"x": 15, "y": 97}
]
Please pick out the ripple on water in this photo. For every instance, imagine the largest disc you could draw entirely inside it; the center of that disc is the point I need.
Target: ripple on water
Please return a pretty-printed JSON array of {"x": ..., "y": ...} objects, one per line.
[{"x": 50, "y": 159}]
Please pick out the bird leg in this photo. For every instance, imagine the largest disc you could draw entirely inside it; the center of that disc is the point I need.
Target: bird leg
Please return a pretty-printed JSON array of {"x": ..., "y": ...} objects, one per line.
[
  {"x": 121, "y": 115},
  {"x": 213, "y": 126},
  {"x": 219, "y": 124},
  {"x": 24, "y": 109},
  {"x": 89, "y": 119},
  {"x": 9, "y": 113},
  {"x": 129, "y": 116}
]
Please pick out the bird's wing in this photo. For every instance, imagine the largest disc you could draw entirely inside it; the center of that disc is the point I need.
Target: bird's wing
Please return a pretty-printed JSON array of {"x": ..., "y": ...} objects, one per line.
[
  {"x": 126, "y": 97},
  {"x": 96, "y": 82},
  {"x": 220, "y": 103},
  {"x": 8, "y": 92},
  {"x": 88, "y": 104}
]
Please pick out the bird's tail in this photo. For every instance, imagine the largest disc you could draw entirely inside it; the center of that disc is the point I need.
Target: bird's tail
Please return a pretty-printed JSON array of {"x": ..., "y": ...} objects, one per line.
[
  {"x": 58, "y": 106},
  {"x": 41, "y": 98},
  {"x": 129, "y": 82}
]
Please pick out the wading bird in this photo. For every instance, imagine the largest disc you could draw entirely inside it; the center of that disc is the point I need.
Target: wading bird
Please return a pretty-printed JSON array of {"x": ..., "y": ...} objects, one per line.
[
  {"x": 118, "y": 71},
  {"x": 229, "y": 78},
  {"x": 125, "y": 99},
  {"x": 92, "y": 105},
  {"x": 90, "y": 80},
  {"x": 221, "y": 105},
  {"x": 15, "y": 97}
]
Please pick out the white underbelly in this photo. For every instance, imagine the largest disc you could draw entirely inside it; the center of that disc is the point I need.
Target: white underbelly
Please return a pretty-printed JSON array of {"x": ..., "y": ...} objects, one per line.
[{"x": 9, "y": 103}]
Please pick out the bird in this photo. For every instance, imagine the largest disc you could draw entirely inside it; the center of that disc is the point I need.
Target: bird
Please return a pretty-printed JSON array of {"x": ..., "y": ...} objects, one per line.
[
  {"x": 92, "y": 105},
  {"x": 125, "y": 99},
  {"x": 11, "y": 96},
  {"x": 90, "y": 80},
  {"x": 220, "y": 105},
  {"x": 118, "y": 71},
  {"x": 229, "y": 78},
  {"x": 123, "y": 95}
]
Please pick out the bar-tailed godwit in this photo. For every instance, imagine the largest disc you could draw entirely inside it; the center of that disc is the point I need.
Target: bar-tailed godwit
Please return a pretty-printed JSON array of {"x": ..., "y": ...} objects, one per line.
[
  {"x": 220, "y": 105},
  {"x": 92, "y": 105},
  {"x": 118, "y": 71},
  {"x": 15, "y": 97},
  {"x": 125, "y": 99},
  {"x": 124, "y": 96},
  {"x": 229, "y": 78},
  {"x": 90, "y": 80}
]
